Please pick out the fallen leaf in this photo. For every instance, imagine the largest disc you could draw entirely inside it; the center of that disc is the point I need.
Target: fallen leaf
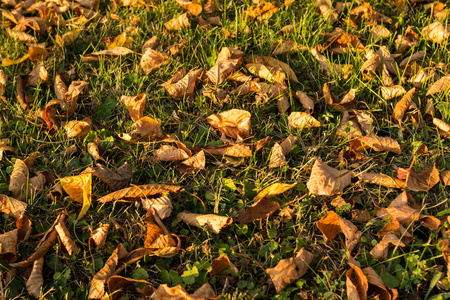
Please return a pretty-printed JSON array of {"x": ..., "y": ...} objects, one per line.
[
  {"x": 289, "y": 47},
  {"x": 205, "y": 292},
  {"x": 325, "y": 8},
  {"x": 407, "y": 40},
  {"x": 146, "y": 128},
  {"x": 106, "y": 54},
  {"x": 98, "y": 237},
  {"x": 330, "y": 68},
  {"x": 19, "y": 178},
  {"x": 327, "y": 181},
  {"x": 8, "y": 245},
  {"x": 380, "y": 251},
  {"x": 66, "y": 238},
  {"x": 24, "y": 227},
  {"x": 376, "y": 143},
  {"x": 39, "y": 75},
  {"x": 271, "y": 74},
  {"x": 261, "y": 209},
  {"x": 117, "y": 284},
  {"x": 152, "y": 59},
  {"x": 151, "y": 43},
  {"x": 436, "y": 32},
  {"x": 289, "y": 270},
  {"x": 235, "y": 123},
  {"x": 67, "y": 38},
  {"x": 443, "y": 128},
  {"x": 36, "y": 279},
  {"x": 380, "y": 32},
  {"x": 383, "y": 180},
  {"x": 161, "y": 205},
  {"x": 280, "y": 150},
  {"x": 233, "y": 150},
  {"x": 135, "y": 193},
  {"x": 170, "y": 153},
  {"x": 79, "y": 188},
  {"x": 115, "y": 178},
  {"x": 356, "y": 281},
  {"x": 412, "y": 58},
  {"x": 347, "y": 103},
  {"x": 424, "y": 181},
  {"x": 78, "y": 128},
  {"x": 185, "y": 86},
  {"x": 213, "y": 223},
  {"x": 157, "y": 235},
  {"x": 332, "y": 224},
  {"x": 302, "y": 120},
  {"x": 179, "y": 23},
  {"x": 377, "y": 287},
  {"x": 403, "y": 105},
  {"x": 442, "y": 85},
  {"x": 221, "y": 70},
  {"x": 194, "y": 163},
  {"x": 261, "y": 11},
  {"x": 391, "y": 92},
  {"x": 135, "y": 105},
  {"x": 11, "y": 206},
  {"x": 445, "y": 177},
  {"x": 222, "y": 263},
  {"x": 343, "y": 43},
  {"x": 192, "y": 7}
]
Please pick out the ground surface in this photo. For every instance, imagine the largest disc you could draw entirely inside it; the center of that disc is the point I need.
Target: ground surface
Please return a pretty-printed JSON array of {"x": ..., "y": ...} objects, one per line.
[{"x": 226, "y": 185}]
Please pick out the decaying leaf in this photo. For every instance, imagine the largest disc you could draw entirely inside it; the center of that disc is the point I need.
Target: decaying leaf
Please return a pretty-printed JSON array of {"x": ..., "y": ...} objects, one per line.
[
  {"x": 135, "y": 193},
  {"x": 325, "y": 8},
  {"x": 383, "y": 180},
  {"x": 290, "y": 269},
  {"x": 403, "y": 105},
  {"x": 194, "y": 163},
  {"x": 356, "y": 281},
  {"x": 115, "y": 178},
  {"x": 436, "y": 32},
  {"x": 301, "y": 120},
  {"x": 157, "y": 235},
  {"x": 78, "y": 128},
  {"x": 262, "y": 11},
  {"x": 381, "y": 32},
  {"x": 79, "y": 188},
  {"x": 135, "y": 105},
  {"x": 424, "y": 181},
  {"x": 106, "y": 54},
  {"x": 178, "y": 23},
  {"x": 205, "y": 292},
  {"x": 170, "y": 153},
  {"x": 221, "y": 70},
  {"x": 347, "y": 103},
  {"x": 233, "y": 150},
  {"x": 306, "y": 101},
  {"x": 222, "y": 263},
  {"x": 406, "y": 40},
  {"x": 66, "y": 238},
  {"x": 8, "y": 245},
  {"x": 11, "y": 206},
  {"x": 235, "y": 123},
  {"x": 214, "y": 223},
  {"x": 442, "y": 85},
  {"x": 36, "y": 279},
  {"x": 19, "y": 178},
  {"x": 117, "y": 284},
  {"x": 273, "y": 190},
  {"x": 39, "y": 75},
  {"x": 279, "y": 152},
  {"x": 98, "y": 237},
  {"x": 376, "y": 143},
  {"x": 327, "y": 181},
  {"x": 391, "y": 92},
  {"x": 443, "y": 128},
  {"x": 146, "y": 128},
  {"x": 152, "y": 59},
  {"x": 67, "y": 38},
  {"x": 161, "y": 205},
  {"x": 289, "y": 46},
  {"x": 445, "y": 177},
  {"x": 183, "y": 87},
  {"x": 332, "y": 224},
  {"x": 343, "y": 43},
  {"x": 259, "y": 210}
]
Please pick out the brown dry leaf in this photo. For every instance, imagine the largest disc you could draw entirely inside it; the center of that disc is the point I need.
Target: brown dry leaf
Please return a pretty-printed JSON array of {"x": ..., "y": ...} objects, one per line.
[
  {"x": 4, "y": 142},
  {"x": 273, "y": 75},
  {"x": 19, "y": 178},
  {"x": 275, "y": 64},
  {"x": 222, "y": 263},
  {"x": 403, "y": 105},
  {"x": 436, "y": 32},
  {"x": 391, "y": 92},
  {"x": 67, "y": 38},
  {"x": 106, "y": 54},
  {"x": 369, "y": 67},
  {"x": 381, "y": 250},
  {"x": 347, "y": 103},
  {"x": 66, "y": 238},
  {"x": 259, "y": 210},
  {"x": 98, "y": 237},
  {"x": 327, "y": 181},
  {"x": 178, "y": 23},
  {"x": 290, "y": 269},
  {"x": 423, "y": 76},
  {"x": 115, "y": 178},
  {"x": 97, "y": 289},
  {"x": 262, "y": 11},
  {"x": 332, "y": 224},
  {"x": 289, "y": 46},
  {"x": 9, "y": 62},
  {"x": 343, "y": 43},
  {"x": 161, "y": 205},
  {"x": 194, "y": 163},
  {"x": 183, "y": 87},
  {"x": 170, "y": 153},
  {"x": 38, "y": 76},
  {"x": 361, "y": 216},
  {"x": 46, "y": 242},
  {"x": 443, "y": 128},
  {"x": 221, "y": 70},
  {"x": 357, "y": 284},
  {"x": 301, "y": 120},
  {"x": 445, "y": 177},
  {"x": 152, "y": 59},
  {"x": 383, "y": 180},
  {"x": 412, "y": 58},
  {"x": 424, "y": 181},
  {"x": 78, "y": 128},
  {"x": 79, "y": 188},
  {"x": 273, "y": 190},
  {"x": 192, "y": 7},
  {"x": 11, "y": 206},
  {"x": 442, "y": 85},
  {"x": 117, "y": 284},
  {"x": 377, "y": 287},
  {"x": 233, "y": 150},
  {"x": 24, "y": 227},
  {"x": 306, "y": 101},
  {"x": 146, "y": 128},
  {"x": 151, "y": 43},
  {"x": 21, "y": 36},
  {"x": 8, "y": 245},
  {"x": 205, "y": 292},
  {"x": 407, "y": 40},
  {"x": 325, "y": 8},
  {"x": 376, "y": 143},
  {"x": 37, "y": 53},
  {"x": 235, "y": 123},
  {"x": 157, "y": 235},
  {"x": 280, "y": 150},
  {"x": 36, "y": 279},
  {"x": 214, "y": 223},
  {"x": 380, "y": 32},
  {"x": 135, "y": 193}
]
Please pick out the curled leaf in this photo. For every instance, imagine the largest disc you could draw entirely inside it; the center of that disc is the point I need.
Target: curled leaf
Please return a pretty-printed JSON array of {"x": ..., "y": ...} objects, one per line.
[
  {"x": 79, "y": 188},
  {"x": 36, "y": 279},
  {"x": 135, "y": 193},
  {"x": 11, "y": 206},
  {"x": 214, "y": 223},
  {"x": 8, "y": 245},
  {"x": 98, "y": 237},
  {"x": 146, "y": 128}
]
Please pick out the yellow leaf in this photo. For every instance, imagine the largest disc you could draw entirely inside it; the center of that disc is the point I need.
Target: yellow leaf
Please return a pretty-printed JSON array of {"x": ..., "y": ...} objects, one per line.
[
  {"x": 9, "y": 62},
  {"x": 79, "y": 189}
]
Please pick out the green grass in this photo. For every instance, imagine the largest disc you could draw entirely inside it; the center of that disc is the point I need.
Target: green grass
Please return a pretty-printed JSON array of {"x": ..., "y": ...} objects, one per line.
[{"x": 252, "y": 247}]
